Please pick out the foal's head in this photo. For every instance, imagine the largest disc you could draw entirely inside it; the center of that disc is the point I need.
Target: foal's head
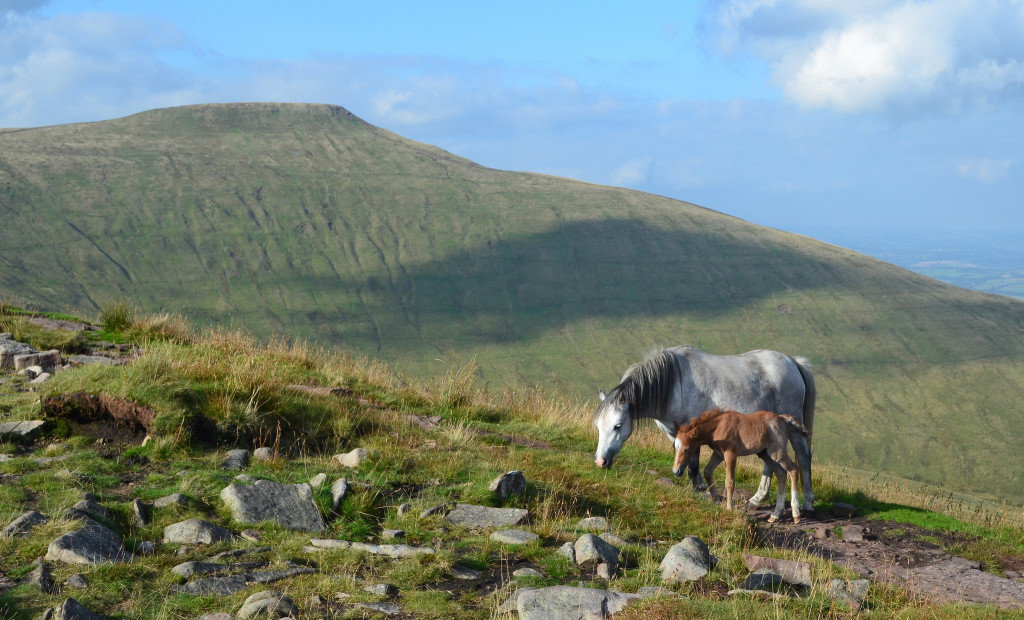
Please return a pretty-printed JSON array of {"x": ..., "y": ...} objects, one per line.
[{"x": 686, "y": 448}]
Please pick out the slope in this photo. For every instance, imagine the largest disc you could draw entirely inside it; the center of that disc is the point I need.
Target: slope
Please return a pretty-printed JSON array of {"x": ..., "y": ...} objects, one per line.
[{"x": 305, "y": 221}]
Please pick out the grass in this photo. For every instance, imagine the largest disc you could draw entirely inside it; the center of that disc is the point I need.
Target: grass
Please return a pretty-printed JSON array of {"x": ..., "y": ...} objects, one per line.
[{"x": 217, "y": 388}]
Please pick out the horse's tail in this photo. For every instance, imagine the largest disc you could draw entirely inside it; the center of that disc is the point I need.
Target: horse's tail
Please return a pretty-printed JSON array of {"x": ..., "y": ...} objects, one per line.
[
  {"x": 788, "y": 419},
  {"x": 810, "y": 394}
]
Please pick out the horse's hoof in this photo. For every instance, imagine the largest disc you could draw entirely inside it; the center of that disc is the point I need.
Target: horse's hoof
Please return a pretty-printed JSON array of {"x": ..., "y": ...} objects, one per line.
[
  {"x": 772, "y": 519},
  {"x": 796, "y": 519}
]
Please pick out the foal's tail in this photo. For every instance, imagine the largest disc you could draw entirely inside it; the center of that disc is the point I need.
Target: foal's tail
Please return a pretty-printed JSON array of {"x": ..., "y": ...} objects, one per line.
[
  {"x": 810, "y": 394},
  {"x": 788, "y": 419}
]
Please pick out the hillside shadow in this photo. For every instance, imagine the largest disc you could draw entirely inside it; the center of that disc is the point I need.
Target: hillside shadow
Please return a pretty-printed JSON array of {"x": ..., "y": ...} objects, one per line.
[{"x": 519, "y": 287}]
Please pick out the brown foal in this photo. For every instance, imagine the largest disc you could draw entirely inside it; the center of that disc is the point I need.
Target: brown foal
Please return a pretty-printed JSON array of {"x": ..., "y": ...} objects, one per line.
[{"x": 732, "y": 434}]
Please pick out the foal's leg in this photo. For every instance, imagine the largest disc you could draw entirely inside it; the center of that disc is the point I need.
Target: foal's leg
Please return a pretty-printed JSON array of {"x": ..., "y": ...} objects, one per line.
[
  {"x": 794, "y": 479},
  {"x": 803, "y": 457},
  {"x": 709, "y": 473},
  {"x": 730, "y": 480}
]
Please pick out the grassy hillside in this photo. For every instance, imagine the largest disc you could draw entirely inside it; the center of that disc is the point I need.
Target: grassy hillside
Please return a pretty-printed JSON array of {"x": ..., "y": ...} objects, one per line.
[{"x": 303, "y": 220}]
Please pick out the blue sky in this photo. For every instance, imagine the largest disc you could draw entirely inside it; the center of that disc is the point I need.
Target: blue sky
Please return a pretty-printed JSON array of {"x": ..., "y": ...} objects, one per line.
[{"x": 823, "y": 117}]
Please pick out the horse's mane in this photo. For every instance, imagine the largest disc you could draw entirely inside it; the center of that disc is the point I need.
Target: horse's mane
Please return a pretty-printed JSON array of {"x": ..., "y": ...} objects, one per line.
[
  {"x": 704, "y": 418},
  {"x": 647, "y": 385}
]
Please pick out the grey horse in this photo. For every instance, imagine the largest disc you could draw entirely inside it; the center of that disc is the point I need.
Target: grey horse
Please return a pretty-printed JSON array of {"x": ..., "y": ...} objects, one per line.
[{"x": 672, "y": 386}]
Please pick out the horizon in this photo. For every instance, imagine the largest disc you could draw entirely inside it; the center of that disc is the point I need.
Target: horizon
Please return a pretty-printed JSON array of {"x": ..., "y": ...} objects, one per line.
[{"x": 828, "y": 121}]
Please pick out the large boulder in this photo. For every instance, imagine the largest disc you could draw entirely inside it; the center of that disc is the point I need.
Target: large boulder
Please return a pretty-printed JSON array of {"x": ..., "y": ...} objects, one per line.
[
  {"x": 482, "y": 517},
  {"x": 196, "y": 532},
  {"x": 288, "y": 505},
  {"x": 92, "y": 545},
  {"x": 570, "y": 603},
  {"x": 687, "y": 561}
]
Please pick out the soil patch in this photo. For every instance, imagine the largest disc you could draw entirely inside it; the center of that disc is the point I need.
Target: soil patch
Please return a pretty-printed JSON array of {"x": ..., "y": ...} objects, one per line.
[{"x": 112, "y": 419}]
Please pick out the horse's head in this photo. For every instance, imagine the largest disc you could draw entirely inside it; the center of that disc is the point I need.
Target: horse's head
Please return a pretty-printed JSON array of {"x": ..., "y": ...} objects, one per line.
[
  {"x": 687, "y": 452},
  {"x": 614, "y": 426}
]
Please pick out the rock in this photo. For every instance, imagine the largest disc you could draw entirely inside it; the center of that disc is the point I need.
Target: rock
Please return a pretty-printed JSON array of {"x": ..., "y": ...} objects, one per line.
[
  {"x": 404, "y": 509},
  {"x": 591, "y": 549},
  {"x": 464, "y": 573},
  {"x": 93, "y": 544},
  {"x": 687, "y": 561},
  {"x": 9, "y": 349},
  {"x": 187, "y": 570},
  {"x": 195, "y": 532},
  {"x": 508, "y": 484},
  {"x": 763, "y": 579},
  {"x": 73, "y": 610},
  {"x": 23, "y": 524},
  {"x": 31, "y": 371},
  {"x": 244, "y": 479},
  {"x": 441, "y": 509},
  {"x": 237, "y": 553},
  {"x": 90, "y": 509},
  {"x": 851, "y": 593},
  {"x": 42, "y": 578},
  {"x": 174, "y": 499},
  {"x": 392, "y": 534},
  {"x": 844, "y": 511},
  {"x": 268, "y": 603},
  {"x": 236, "y": 459},
  {"x": 41, "y": 377},
  {"x": 594, "y": 524},
  {"x": 140, "y": 514},
  {"x": 394, "y": 551},
  {"x": 250, "y": 535},
  {"x": 822, "y": 532},
  {"x": 146, "y": 547},
  {"x": 339, "y": 489},
  {"x": 288, "y": 505},
  {"x": 853, "y": 533},
  {"x": 220, "y": 615},
  {"x": 791, "y": 571},
  {"x": 77, "y": 580},
  {"x": 568, "y": 550},
  {"x": 228, "y": 585},
  {"x": 514, "y": 537},
  {"x": 613, "y": 539},
  {"x": 21, "y": 431},
  {"x": 666, "y": 482},
  {"x": 604, "y": 571},
  {"x": 318, "y": 480},
  {"x": 381, "y": 589},
  {"x": 388, "y": 609},
  {"x": 354, "y": 458},
  {"x": 264, "y": 454},
  {"x": 569, "y": 603},
  {"x": 481, "y": 517},
  {"x": 526, "y": 572},
  {"x": 89, "y": 360},
  {"x": 45, "y": 361}
]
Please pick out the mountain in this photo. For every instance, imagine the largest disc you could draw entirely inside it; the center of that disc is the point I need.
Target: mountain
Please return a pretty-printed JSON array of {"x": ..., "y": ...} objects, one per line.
[{"x": 305, "y": 221}]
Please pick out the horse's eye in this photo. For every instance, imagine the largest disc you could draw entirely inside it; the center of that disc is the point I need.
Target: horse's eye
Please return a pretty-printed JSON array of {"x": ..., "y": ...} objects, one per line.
[{"x": 618, "y": 426}]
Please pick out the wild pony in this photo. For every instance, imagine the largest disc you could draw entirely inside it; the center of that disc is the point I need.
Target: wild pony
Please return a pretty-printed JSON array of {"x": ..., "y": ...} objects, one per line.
[
  {"x": 733, "y": 434},
  {"x": 673, "y": 386}
]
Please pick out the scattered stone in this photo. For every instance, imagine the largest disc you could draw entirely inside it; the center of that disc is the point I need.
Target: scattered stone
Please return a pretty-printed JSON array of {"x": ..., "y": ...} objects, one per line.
[
  {"x": 196, "y": 532},
  {"x": 851, "y": 593},
  {"x": 392, "y": 534},
  {"x": 90, "y": 509},
  {"x": 236, "y": 459},
  {"x": 228, "y": 585},
  {"x": 42, "y": 578},
  {"x": 388, "y": 609},
  {"x": 441, "y": 509},
  {"x": 404, "y": 509},
  {"x": 666, "y": 482},
  {"x": 77, "y": 580},
  {"x": 381, "y": 589},
  {"x": 394, "y": 551},
  {"x": 508, "y": 484},
  {"x": 568, "y": 550},
  {"x": 264, "y": 454},
  {"x": 604, "y": 571},
  {"x": 591, "y": 549},
  {"x": 23, "y": 524},
  {"x": 688, "y": 560},
  {"x": 41, "y": 377},
  {"x": 844, "y": 511},
  {"x": 764, "y": 594},
  {"x": 187, "y": 570},
  {"x": 220, "y": 615},
  {"x": 268, "y": 603},
  {"x": 146, "y": 547},
  {"x": 339, "y": 489},
  {"x": 140, "y": 514},
  {"x": 288, "y": 505},
  {"x": 853, "y": 533},
  {"x": 613, "y": 539},
  {"x": 352, "y": 459},
  {"x": 250, "y": 535},
  {"x": 9, "y": 349},
  {"x": 595, "y": 524},
  {"x": 763, "y": 579},
  {"x": 174, "y": 499},
  {"x": 464, "y": 573},
  {"x": 93, "y": 544},
  {"x": 791, "y": 571},
  {"x": 182, "y": 550},
  {"x": 237, "y": 553},
  {"x": 318, "y": 480},
  {"x": 569, "y": 603},
  {"x": 72, "y": 610},
  {"x": 526, "y": 572},
  {"x": 21, "y": 431},
  {"x": 89, "y": 360},
  {"x": 481, "y": 517},
  {"x": 821, "y": 532},
  {"x": 514, "y": 537}
]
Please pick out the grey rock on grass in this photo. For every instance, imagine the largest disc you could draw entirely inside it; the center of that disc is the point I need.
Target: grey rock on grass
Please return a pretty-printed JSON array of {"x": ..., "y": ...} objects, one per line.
[
  {"x": 482, "y": 517},
  {"x": 21, "y": 431},
  {"x": 23, "y": 524},
  {"x": 288, "y": 505},
  {"x": 72, "y": 610},
  {"x": 195, "y": 532},
  {"x": 355, "y": 458},
  {"x": 236, "y": 459},
  {"x": 570, "y": 603},
  {"x": 339, "y": 489},
  {"x": 591, "y": 549},
  {"x": 688, "y": 560},
  {"x": 269, "y": 603},
  {"x": 508, "y": 484},
  {"x": 92, "y": 545},
  {"x": 514, "y": 537},
  {"x": 174, "y": 499}
]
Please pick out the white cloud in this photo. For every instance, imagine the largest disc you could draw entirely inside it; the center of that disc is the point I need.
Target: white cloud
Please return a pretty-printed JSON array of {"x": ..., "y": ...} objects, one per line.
[
  {"x": 632, "y": 173},
  {"x": 984, "y": 170},
  {"x": 874, "y": 55}
]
